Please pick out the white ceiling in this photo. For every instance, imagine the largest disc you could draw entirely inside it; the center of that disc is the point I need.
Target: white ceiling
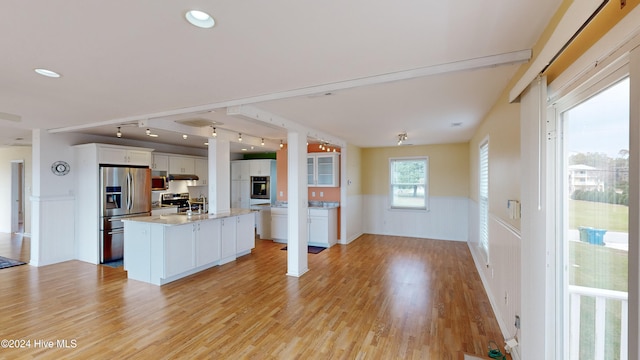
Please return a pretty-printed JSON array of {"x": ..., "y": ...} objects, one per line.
[{"x": 125, "y": 61}]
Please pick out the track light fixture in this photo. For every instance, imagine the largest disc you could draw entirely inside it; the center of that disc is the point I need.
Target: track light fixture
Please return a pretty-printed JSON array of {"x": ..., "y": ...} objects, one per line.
[
  {"x": 240, "y": 137},
  {"x": 281, "y": 144},
  {"x": 184, "y": 136},
  {"x": 402, "y": 137},
  {"x": 119, "y": 133},
  {"x": 148, "y": 132},
  {"x": 214, "y": 133},
  {"x": 262, "y": 141}
]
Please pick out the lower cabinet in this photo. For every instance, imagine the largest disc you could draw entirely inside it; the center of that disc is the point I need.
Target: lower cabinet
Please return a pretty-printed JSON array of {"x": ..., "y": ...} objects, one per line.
[
  {"x": 207, "y": 241},
  {"x": 179, "y": 249},
  {"x": 322, "y": 226},
  {"x": 279, "y": 224},
  {"x": 245, "y": 234},
  {"x": 158, "y": 253},
  {"x": 228, "y": 239}
]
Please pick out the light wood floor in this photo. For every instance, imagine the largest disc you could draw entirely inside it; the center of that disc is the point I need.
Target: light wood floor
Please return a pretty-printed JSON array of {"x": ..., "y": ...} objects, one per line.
[{"x": 381, "y": 297}]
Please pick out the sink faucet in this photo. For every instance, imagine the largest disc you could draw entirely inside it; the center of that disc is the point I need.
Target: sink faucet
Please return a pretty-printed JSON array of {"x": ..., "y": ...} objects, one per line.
[{"x": 189, "y": 208}]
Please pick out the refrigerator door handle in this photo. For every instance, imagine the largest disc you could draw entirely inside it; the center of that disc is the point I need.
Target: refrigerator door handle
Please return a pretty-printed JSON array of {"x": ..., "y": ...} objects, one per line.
[
  {"x": 132, "y": 190},
  {"x": 128, "y": 191}
]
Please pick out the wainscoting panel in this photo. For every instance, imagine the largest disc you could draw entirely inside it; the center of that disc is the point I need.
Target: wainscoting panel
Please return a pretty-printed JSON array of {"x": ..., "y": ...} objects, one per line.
[
  {"x": 501, "y": 277},
  {"x": 354, "y": 218},
  {"x": 447, "y": 218},
  {"x": 53, "y": 235}
]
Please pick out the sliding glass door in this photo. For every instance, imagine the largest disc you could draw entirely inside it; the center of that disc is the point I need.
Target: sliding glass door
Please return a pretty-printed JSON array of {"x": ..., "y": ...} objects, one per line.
[{"x": 593, "y": 189}]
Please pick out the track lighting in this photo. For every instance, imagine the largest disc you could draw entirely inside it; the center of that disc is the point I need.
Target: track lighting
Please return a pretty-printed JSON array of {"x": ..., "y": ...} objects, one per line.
[
  {"x": 148, "y": 132},
  {"x": 119, "y": 133},
  {"x": 214, "y": 133},
  {"x": 184, "y": 136},
  {"x": 281, "y": 144},
  {"x": 402, "y": 137},
  {"x": 262, "y": 141},
  {"x": 240, "y": 137}
]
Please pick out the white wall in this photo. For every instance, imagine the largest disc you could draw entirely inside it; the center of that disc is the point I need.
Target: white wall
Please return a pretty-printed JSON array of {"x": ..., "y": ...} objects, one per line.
[
  {"x": 446, "y": 219},
  {"x": 7, "y": 155},
  {"x": 501, "y": 277}
]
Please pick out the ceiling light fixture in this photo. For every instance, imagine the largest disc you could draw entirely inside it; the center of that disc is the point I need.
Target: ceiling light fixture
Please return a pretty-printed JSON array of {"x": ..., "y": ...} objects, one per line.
[
  {"x": 185, "y": 136},
  {"x": 148, "y": 132},
  {"x": 119, "y": 133},
  {"x": 47, "y": 73},
  {"x": 240, "y": 137},
  {"x": 200, "y": 19},
  {"x": 281, "y": 144},
  {"x": 153, "y": 135},
  {"x": 402, "y": 137},
  {"x": 262, "y": 141},
  {"x": 214, "y": 133}
]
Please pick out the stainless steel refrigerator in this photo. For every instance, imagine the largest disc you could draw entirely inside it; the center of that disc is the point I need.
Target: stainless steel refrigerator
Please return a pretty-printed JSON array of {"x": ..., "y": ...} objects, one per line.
[{"x": 124, "y": 192}]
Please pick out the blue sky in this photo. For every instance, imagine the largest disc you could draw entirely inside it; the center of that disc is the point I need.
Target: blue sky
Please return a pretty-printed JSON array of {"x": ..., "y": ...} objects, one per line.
[{"x": 600, "y": 124}]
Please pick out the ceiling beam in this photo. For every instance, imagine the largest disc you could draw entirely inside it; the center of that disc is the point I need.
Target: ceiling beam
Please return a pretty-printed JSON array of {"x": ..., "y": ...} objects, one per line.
[{"x": 509, "y": 58}]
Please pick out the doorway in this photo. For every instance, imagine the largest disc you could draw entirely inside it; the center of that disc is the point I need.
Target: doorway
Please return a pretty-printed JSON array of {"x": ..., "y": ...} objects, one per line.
[{"x": 17, "y": 196}]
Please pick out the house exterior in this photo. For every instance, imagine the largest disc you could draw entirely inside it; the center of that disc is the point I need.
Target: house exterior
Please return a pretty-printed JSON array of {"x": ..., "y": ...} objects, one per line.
[{"x": 520, "y": 274}]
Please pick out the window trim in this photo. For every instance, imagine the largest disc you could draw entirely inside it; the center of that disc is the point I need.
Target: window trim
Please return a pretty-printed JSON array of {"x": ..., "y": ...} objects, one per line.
[{"x": 426, "y": 184}]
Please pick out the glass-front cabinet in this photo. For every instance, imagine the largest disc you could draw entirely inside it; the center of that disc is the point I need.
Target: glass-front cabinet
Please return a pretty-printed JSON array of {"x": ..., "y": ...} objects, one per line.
[{"x": 323, "y": 169}]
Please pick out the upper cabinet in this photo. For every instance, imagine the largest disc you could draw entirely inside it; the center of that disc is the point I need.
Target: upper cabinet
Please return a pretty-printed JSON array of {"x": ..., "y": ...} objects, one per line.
[
  {"x": 244, "y": 169},
  {"x": 182, "y": 165},
  {"x": 120, "y": 155},
  {"x": 260, "y": 167},
  {"x": 323, "y": 170},
  {"x": 240, "y": 170},
  {"x": 202, "y": 170},
  {"x": 160, "y": 162}
]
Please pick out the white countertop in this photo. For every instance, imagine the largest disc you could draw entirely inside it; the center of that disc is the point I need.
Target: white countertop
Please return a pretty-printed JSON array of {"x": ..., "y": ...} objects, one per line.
[{"x": 182, "y": 218}]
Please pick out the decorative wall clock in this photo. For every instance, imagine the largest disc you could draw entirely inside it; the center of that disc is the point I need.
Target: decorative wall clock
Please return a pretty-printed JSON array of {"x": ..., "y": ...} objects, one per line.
[{"x": 60, "y": 168}]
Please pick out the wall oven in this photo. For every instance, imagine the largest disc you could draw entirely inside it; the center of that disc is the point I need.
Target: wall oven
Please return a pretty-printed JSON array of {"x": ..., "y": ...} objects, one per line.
[{"x": 260, "y": 187}]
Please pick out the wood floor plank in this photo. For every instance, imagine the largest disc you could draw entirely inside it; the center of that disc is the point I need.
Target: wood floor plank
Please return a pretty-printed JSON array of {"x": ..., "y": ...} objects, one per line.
[{"x": 380, "y": 297}]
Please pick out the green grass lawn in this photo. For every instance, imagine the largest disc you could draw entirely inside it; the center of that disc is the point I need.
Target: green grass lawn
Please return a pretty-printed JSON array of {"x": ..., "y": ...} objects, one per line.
[{"x": 598, "y": 215}]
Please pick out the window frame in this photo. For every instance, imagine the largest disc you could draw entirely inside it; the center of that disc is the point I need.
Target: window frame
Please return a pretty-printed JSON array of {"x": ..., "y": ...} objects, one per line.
[
  {"x": 426, "y": 183},
  {"x": 483, "y": 203}
]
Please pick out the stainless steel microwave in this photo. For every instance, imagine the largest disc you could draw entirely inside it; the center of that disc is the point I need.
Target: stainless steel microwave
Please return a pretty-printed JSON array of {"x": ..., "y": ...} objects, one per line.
[{"x": 159, "y": 183}]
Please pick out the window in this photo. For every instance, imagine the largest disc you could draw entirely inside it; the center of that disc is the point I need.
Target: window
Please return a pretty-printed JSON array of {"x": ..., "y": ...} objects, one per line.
[
  {"x": 409, "y": 183},
  {"x": 593, "y": 218},
  {"x": 483, "y": 194}
]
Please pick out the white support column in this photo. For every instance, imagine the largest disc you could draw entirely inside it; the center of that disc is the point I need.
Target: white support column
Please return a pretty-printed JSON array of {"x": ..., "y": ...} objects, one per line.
[
  {"x": 298, "y": 202},
  {"x": 219, "y": 176}
]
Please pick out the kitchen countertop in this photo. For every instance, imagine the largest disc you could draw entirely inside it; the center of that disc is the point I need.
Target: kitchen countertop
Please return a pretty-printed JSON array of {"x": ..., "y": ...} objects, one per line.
[
  {"x": 182, "y": 218},
  {"x": 312, "y": 204}
]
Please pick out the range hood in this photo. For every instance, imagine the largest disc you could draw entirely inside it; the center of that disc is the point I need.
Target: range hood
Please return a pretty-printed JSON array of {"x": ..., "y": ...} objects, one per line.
[{"x": 182, "y": 177}]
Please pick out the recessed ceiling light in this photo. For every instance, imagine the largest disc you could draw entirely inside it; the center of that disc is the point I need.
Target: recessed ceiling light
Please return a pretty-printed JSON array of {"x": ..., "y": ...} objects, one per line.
[
  {"x": 153, "y": 135},
  {"x": 47, "y": 73},
  {"x": 200, "y": 19}
]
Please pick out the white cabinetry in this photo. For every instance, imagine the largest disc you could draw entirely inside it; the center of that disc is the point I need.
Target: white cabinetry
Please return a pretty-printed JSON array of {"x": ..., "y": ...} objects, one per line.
[
  {"x": 240, "y": 170},
  {"x": 181, "y": 165},
  {"x": 228, "y": 239},
  {"x": 118, "y": 155},
  {"x": 160, "y": 162},
  {"x": 323, "y": 226},
  {"x": 179, "y": 248},
  {"x": 245, "y": 234},
  {"x": 259, "y": 167},
  {"x": 207, "y": 242},
  {"x": 322, "y": 229},
  {"x": 323, "y": 170},
  {"x": 202, "y": 170},
  {"x": 279, "y": 224}
]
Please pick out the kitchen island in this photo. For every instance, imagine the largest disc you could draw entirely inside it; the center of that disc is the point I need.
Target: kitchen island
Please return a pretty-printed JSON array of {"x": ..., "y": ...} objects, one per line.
[{"x": 163, "y": 248}]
